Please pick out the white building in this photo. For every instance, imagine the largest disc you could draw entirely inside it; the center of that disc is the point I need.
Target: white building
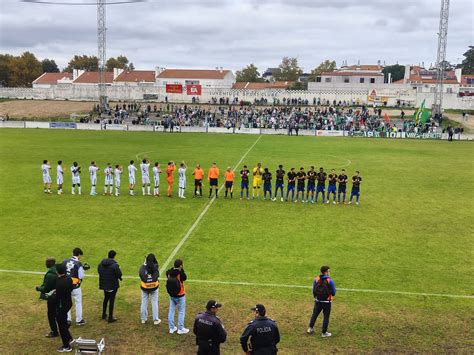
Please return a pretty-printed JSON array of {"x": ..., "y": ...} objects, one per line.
[
  {"x": 348, "y": 77},
  {"x": 209, "y": 79}
]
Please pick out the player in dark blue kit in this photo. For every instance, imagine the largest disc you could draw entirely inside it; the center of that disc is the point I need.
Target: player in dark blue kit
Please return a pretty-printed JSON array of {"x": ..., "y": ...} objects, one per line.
[
  {"x": 244, "y": 185},
  {"x": 267, "y": 183},
  {"x": 342, "y": 178},
  {"x": 291, "y": 177},
  {"x": 332, "y": 179},
  {"x": 279, "y": 182},
  {"x": 321, "y": 177},
  {"x": 356, "y": 180},
  {"x": 300, "y": 178},
  {"x": 311, "y": 176}
]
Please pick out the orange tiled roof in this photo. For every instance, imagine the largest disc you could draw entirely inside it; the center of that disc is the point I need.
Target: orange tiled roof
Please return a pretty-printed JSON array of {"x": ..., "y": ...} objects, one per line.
[
  {"x": 364, "y": 67},
  {"x": 263, "y": 86},
  {"x": 350, "y": 73},
  {"x": 136, "y": 76},
  {"x": 92, "y": 77},
  {"x": 192, "y": 74},
  {"x": 52, "y": 78}
]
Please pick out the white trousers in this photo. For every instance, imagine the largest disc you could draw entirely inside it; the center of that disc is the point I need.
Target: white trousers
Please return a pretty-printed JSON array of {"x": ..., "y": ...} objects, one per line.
[{"x": 76, "y": 295}]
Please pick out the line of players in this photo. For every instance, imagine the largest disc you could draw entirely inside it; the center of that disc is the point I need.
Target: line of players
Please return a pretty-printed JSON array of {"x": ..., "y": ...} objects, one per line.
[{"x": 311, "y": 182}]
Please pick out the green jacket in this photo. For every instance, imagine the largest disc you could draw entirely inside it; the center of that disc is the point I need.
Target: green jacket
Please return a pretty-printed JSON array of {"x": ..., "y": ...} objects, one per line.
[{"x": 49, "y": 282}]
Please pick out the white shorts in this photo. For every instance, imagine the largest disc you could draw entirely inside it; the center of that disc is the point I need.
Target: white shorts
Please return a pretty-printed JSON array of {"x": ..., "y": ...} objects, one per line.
[
  {"x": 145, "y": 179},
  {"x": 157, "y": 182},
  {"x": 94, "y": 181},
  {"x": 131, "y": 180},
  {"x": 59, "y": 180},
  {"x": 182, "y": 184},
  {"x": 108, "y": 181},
  {"x": 46, "y": 179},
  {"x": 76, "y": 180}
]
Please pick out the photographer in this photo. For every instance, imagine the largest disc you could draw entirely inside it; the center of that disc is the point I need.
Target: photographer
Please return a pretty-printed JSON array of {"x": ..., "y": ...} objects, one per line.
[{"x": 46, "y": 289}]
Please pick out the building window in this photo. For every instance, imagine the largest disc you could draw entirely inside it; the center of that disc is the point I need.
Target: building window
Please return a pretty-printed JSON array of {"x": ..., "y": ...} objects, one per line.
[
  {"x": 432, "y": 89},
  {"x": 372, "y": 80},
  {"x": 318, "y": 79},
  {"x": 361, "y": 80},
  {"x": 327, "y": 80},
  {"x": 449, "y": 90},
  {"x": 346, "y": 79}
]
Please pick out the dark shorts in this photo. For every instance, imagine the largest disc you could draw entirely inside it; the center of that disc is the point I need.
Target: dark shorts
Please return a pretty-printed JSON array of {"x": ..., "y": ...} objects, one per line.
[
  {"x": 342, "y": 188},
  {"x": 244, "y": 185},
  {"x": 279, "y": 185},
  {"x": 267, "y": 187},
  {"x": 332, "y": 188},
  {"x": 213, "y": 182},
  {"x": 197, "y": 182},
  {"x": 320, "y": 188},
  {"x": 229, "y": 184},
  {"x": 300, "y": 188},
  {"x": 355, "y": 191},
  {"x": 311, "y": 187},
  {"x": 290, "y": 187}
]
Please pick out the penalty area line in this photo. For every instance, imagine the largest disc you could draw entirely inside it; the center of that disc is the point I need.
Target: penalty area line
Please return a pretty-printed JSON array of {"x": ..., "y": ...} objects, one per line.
[
  {"x": 201, "y": 215},
  {"x": 274, "y": 285}
]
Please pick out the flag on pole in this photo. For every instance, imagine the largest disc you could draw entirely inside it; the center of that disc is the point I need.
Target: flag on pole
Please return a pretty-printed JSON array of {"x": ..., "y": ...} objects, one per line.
[
  {"x": 421, "y": 114},
  {"x": 386, "y": 118}
]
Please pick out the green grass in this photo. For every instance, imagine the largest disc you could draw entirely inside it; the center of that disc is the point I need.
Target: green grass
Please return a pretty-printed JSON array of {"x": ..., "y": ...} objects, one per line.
[{"x": 411, "y": 233}]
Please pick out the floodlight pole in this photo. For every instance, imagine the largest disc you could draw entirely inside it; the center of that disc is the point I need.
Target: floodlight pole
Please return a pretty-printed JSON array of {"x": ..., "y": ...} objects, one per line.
[
  {"x": 441, "y": 57},
  {"x": 102, "y": 45}
]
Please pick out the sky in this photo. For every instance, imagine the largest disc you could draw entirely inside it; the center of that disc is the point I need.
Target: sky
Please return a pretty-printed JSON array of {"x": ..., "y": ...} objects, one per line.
[{"x": 234, "y": 33}]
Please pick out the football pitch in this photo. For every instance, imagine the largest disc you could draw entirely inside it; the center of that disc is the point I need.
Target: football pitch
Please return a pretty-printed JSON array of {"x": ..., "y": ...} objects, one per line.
[{"x": 402, "y": 260}]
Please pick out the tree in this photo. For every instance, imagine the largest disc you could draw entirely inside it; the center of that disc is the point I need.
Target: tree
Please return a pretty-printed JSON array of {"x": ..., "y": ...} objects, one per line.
[
  {"x": 289, "y": 70},
  {"x": 249, "y": 73},
  {"x": 84, "y": 62},
  {"x": 326, "y": 66},
  {"x": 49, "y": 66},
  {"x": 5, "y": 63},
  {"x": 120, "y": 62},
  {"x": 24, "y": 70},
  {"x": 298, "y": 85},
  {"x": 467, "y": 64},
  {"x": 397, "y": 71}
]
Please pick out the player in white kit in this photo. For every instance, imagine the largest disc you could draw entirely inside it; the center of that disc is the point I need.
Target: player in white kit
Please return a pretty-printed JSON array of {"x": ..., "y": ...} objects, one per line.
[
  {"x": 117, "y": 172},
  {"x": 60, "y": 177},
  {"x": 144, "y": 166},
  {"x": 156, "y": 179},
  {"x": 76, "y": 178},
  {"x": 45, "y": 168},
  {"x": 108, "y": 179},
  {"x": 181, "y": 180},
  {"x": 131, "y": 177},
  {"x": 93, "y": 175}
]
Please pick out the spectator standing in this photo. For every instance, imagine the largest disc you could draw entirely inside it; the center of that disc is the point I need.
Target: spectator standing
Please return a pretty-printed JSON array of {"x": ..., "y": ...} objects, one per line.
[
  {"x": 63, "y": 303},
  {"x": 209, "y": 330},
  {"x": 46, "y": 290},
  {"x": 263, "y": 333},
  {"x": 109, "y": 276},
  {"x": 324, "y": 291},
  {"x": 149, "y": 283},
  {"x": 175, "y": 287}
]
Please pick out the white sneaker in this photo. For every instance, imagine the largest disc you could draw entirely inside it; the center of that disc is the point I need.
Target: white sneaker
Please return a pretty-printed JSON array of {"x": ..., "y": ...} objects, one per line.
[
  {"x": 281, "y": 199},
  {"x": 183, "y": 331},
  {"x": 310, "y": 330},
  {"x": 326, "y": 335},
  {"x": 143, "y": 321},
  {"x": 173, "y": 330},
  {"x": 327, "y": 201},
  {"x": 357, "y": 203},
  {"x": 350, "y": 202},
  {"x": 156, "y": 322},
  {"x": 333, "y": 202}
]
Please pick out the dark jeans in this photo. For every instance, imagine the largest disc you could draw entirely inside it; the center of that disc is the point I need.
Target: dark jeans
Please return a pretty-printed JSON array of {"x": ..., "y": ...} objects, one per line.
[
  {"x": 52, "y": 316},
  {"x": 109, "y": 297},
  {"x": 318, "y": 307},
  {"x": 61, "y": 318},
  {"x": 205, "y": 349}
]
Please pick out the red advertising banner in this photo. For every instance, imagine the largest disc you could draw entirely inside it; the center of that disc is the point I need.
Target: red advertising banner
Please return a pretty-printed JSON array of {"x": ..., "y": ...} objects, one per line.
[
  {"x": 193, "y": 90},
  {"x": 174, "y": 88}
]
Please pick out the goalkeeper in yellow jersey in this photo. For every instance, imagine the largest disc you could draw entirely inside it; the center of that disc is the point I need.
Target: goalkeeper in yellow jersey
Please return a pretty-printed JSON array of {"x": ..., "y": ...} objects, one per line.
[{"x": 257, "y": 180}]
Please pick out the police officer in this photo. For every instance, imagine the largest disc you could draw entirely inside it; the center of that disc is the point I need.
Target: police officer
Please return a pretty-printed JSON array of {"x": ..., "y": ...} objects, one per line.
[
  {"x": 263, "y": 333},
  {"x": 209, "y": 330},
  {"x": 75, "y": 270}
]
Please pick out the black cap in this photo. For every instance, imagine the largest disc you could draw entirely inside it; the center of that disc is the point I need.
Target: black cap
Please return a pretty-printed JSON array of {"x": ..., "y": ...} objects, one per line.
[
  {"x": 260, "y": 308},
  {"x": 212, "y": 304}
]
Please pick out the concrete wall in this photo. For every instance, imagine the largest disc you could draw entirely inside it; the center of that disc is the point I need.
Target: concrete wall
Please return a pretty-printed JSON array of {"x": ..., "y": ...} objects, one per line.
[{"x": 394, "y": 92}]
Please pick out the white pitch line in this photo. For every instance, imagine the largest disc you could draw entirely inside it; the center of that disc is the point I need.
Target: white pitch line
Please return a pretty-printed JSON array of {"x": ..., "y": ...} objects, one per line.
[
  {"x": 140, "y": 154},
  {"x": 201, "y": 215},
  {"x": 251, "y": 284}
]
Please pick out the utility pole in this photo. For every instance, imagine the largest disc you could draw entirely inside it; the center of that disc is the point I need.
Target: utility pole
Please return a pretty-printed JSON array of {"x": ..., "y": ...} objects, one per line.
[
  {"x": 441, "y": 57},
  {"x": 102, "y": 46}
]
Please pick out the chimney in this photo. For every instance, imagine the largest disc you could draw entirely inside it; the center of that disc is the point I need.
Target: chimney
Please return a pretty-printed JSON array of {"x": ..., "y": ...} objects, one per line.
[
  {"x": 76, "y": 73},
  {"x": 389, "y": 81},
  {"x": 220, "y": 70},
  {"x": 117, "y": 72},
  {"x": 358, "y": 62},
  {"x": 407, "y": 73},
  {"x": 458, "y": 74},
  {"x": 158, "y": 71}
]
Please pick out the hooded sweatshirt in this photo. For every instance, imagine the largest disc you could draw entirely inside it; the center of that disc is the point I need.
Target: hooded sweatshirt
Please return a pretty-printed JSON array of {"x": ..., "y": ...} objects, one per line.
[{"x": 109, "y": 274}]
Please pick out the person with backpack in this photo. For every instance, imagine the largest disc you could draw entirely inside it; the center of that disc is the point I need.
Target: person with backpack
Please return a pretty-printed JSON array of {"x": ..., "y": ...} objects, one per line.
[
  {"x": 149, "y": 275},
  {"x": 324, "y": 291},
  {"x": 175, "y": 288}
]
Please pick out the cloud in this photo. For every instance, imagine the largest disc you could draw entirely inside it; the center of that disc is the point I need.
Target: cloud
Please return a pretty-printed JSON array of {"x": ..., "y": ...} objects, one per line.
[{"x": 234, "y": 33}]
